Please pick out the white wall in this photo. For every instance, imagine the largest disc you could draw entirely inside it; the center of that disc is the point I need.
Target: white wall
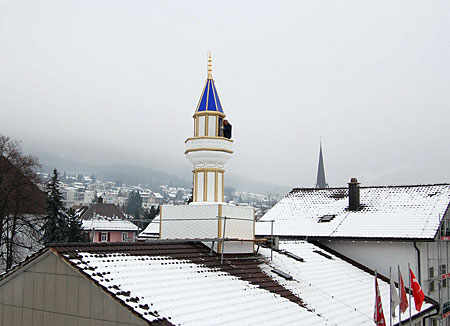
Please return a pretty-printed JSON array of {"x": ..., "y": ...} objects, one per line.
[{"x": 381, "y": 255}]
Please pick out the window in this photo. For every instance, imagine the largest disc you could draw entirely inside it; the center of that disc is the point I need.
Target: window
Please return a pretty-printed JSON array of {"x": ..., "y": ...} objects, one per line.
[
  {"x": 443, "y": 271},
  {"x": 430, "y": 278},
  {"x": 220, "y": 125},
  {"x": 104, "y": 237},
  {"x": 125, "y": 237},
  {"x": 326, "y": 218}
]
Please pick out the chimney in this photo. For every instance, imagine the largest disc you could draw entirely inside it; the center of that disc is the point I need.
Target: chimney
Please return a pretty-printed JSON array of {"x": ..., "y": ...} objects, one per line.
[{"x": 353, "y": 195}]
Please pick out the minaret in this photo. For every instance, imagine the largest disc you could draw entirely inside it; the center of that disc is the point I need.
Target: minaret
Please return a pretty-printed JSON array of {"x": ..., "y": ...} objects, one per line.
[
  {"x": 208, "y": 150},
  {"x": 321, "y": 182}
]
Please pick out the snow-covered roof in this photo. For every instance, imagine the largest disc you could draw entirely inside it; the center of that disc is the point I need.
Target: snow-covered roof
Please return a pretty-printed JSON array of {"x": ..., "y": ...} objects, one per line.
[
  {"x": 396, "y": 212},
  {"x": 151, "y": 231},
  {"x": 182, "y": 284},
  {"x": 108, "y": 225},
  {"x": 340, "y": 292}
]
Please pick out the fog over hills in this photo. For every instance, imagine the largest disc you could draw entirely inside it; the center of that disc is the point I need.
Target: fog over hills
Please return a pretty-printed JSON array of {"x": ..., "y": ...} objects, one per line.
[{"x": 134, "y": 173}]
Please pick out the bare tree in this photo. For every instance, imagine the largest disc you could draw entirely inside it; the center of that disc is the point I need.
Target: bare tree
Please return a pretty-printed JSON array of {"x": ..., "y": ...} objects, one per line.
[{"x": 21, "y": 202}]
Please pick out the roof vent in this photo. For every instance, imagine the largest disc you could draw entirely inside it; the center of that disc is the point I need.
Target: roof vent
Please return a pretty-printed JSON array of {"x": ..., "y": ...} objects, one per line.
[
  {"x": 282, "y": 274},
  {"x": 294, "y": 256},
  {"x": 326, "y": 218},
  {"x": 353, "y": 195},
  {"x": 322, "y": 254}
]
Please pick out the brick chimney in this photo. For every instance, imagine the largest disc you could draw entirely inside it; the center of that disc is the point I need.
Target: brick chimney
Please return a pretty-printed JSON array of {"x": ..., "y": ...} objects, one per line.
[{"x": 353, "y": 195}]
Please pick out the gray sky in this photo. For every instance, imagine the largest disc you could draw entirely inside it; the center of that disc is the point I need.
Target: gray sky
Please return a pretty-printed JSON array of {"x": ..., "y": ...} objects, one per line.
[{"x": 118, "y": 81}]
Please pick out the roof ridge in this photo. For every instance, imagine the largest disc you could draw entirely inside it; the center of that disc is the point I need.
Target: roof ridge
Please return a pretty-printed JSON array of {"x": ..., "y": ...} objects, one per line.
[{"x": 378, "y": 186}]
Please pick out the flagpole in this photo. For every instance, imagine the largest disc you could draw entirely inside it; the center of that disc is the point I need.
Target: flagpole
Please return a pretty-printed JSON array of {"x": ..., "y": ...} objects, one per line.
[
  {"x": 399, "y": 295},
  {"x": 409, "y": 273},
  {"x": 390, "y": 296}
]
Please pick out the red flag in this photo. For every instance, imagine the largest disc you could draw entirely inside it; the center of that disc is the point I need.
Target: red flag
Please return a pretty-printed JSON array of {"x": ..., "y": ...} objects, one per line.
[
  {"x": 418, "y": 295},
  {"x": 403, "y": 299},
  {"x": 378, "y": 315}
]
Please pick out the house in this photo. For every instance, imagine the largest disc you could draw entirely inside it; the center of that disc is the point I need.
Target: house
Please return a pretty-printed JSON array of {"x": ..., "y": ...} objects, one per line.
[
  {"x": 168, "y": 282},
  {"x": 380, "y": 227},
  {"x": 100, "y": 210},
  {"x": 109, "y": 230}
]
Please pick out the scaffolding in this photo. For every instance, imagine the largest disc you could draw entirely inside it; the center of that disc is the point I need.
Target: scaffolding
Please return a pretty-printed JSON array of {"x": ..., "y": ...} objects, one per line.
[{"x": 222, "y": 239}]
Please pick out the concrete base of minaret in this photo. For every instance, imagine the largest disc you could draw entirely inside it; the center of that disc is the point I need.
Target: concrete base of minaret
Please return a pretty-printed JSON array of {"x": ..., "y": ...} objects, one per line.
[{"x": 212, "y": 221}]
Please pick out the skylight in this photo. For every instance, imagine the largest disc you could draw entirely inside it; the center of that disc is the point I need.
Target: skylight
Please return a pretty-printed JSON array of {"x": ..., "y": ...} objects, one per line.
[{"x": 326, "y": 218}]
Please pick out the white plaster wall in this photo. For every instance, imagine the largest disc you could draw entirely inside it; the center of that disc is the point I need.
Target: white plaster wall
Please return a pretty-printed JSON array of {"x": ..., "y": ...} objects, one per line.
[
  {"x": 381, "y": 255},
  {"x": 211, "y": 186},
  {"x": 219, "y": 187},
  {"x": 212, "y": 126},
  {"x": 198, "y": 221},
  {"x": 242, "y": 228},
  {"x": 378, "y": 255},
  {"x": 200, "y": 185},
  {"x": 201, "y": 126}
]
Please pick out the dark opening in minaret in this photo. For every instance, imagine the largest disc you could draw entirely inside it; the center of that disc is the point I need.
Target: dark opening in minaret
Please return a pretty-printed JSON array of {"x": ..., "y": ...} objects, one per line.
[{"x": 321, "y": 181}]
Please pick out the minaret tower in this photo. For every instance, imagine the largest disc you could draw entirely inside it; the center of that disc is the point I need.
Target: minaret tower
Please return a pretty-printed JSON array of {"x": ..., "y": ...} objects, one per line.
[{"x": 208, "y": 150}]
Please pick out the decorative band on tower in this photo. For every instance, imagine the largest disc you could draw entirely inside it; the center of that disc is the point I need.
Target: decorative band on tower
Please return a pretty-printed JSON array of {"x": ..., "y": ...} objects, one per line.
[{"x": 210, "y": 147}]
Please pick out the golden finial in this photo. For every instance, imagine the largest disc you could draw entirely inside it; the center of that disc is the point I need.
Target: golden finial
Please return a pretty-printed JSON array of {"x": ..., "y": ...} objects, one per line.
[{"x": 209, "y": 65}]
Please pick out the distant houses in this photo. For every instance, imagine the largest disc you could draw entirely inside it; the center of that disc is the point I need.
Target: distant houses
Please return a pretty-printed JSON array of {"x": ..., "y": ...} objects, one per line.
[
  {"x": 108, "y": 230},
  {"x": 106, "y": 223}
]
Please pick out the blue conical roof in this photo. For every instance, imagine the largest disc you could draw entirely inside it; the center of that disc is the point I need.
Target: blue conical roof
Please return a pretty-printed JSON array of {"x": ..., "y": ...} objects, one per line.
[{"x": 209, "y": 101}]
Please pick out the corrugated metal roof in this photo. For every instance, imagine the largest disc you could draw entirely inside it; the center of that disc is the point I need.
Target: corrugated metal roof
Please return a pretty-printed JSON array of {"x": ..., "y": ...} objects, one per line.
[
  {"x": 182, "y": 284},
  {"x": 386, "y": 212},
  {"x": 341, "y": 293}
]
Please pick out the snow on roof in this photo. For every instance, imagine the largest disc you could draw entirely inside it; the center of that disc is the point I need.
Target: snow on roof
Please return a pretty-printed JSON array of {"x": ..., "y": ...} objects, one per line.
[
  {"x": 151, "y": 230},
  {"x": 183, "y": 284},
  {"x": 108, "y": 225},
  {"x": 340, "y": 292},
  {"x": 386, "y": 212}
]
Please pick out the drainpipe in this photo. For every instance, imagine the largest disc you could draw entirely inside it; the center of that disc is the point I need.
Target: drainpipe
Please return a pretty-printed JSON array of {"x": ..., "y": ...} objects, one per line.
[{"x": 418, "y": 261}]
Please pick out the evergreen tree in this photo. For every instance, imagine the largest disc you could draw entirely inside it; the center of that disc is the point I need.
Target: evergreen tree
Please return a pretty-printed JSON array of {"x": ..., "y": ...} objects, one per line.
[
  {"x": 134, "y": 205},
  {"x": 55, "y": 223},
  {"x": 74, "y": 232}
]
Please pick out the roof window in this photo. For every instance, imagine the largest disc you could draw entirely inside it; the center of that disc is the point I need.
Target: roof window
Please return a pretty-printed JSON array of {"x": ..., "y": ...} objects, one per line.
[{"x": 326, "y": 218}]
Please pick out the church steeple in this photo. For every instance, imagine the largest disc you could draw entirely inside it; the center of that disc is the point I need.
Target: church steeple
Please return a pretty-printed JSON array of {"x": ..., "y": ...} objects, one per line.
[{"x": 321, "y": 182}]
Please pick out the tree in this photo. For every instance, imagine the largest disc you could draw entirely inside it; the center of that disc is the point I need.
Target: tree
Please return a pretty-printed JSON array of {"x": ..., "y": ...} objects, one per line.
[
  {"x": 74, "y": 232},
  {"x": 134, "y": 204},
  {"x": 55, "y": 223},
  {"x": 149, "y": 215},
  {"x": 21, "y": 203}
]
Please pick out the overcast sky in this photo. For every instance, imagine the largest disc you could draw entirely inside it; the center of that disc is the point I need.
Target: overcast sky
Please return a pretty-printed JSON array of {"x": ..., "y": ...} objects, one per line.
[{"x": 118, "y": 81}]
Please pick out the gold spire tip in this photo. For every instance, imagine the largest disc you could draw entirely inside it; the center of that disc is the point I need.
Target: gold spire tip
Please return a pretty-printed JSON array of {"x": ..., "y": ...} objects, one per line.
[{"x": 209, "y": 65}]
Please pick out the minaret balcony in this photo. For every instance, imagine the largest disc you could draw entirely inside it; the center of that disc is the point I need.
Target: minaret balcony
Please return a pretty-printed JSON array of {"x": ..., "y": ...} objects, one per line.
[{"x": 214, "y": 151}]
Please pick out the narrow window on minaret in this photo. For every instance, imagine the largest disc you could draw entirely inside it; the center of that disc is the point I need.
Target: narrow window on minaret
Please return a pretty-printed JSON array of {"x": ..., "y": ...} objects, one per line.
[{"x": 220, "y": 127}]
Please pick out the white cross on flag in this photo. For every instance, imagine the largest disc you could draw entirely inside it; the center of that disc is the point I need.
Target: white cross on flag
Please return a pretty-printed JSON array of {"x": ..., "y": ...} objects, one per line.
[{"x": 418, "y": 295}]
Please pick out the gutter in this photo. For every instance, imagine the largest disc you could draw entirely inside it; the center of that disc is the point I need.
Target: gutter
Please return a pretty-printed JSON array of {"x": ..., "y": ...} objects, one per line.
[{"x": 418, "y": 261}]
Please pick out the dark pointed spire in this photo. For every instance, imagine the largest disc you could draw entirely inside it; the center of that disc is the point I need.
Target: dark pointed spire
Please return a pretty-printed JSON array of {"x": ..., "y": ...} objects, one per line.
[{"x": 321, "y": 182}]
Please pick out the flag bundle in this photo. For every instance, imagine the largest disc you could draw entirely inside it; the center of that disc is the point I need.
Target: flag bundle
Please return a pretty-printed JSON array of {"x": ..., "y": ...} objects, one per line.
[{"x": 398, "y": 299}]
